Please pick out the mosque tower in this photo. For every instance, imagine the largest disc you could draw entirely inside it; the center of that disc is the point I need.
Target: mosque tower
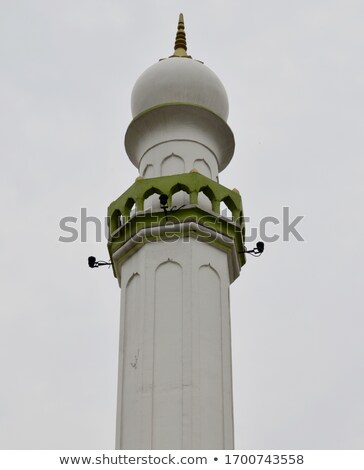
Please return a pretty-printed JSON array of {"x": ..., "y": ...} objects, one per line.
[{"x": 175, "y": 257}]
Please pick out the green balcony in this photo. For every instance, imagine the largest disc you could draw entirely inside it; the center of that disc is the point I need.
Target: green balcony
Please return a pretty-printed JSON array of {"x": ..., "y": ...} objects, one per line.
[{"x": 126, "y": 215}]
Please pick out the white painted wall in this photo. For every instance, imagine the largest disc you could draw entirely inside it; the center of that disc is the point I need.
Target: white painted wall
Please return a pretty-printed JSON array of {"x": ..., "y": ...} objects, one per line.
[
  {"x": 178, "y": 156},
  {"x": 175, "y": 379},
  {"x": 156, "y": 134}
]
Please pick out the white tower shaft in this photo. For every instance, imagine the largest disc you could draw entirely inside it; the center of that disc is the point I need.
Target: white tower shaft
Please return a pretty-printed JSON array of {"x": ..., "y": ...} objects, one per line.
[{"x": 175, "y": 386}]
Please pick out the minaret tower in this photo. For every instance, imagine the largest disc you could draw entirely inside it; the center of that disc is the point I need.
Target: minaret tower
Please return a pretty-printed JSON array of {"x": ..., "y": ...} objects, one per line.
[{"x": 175, "y": 257}]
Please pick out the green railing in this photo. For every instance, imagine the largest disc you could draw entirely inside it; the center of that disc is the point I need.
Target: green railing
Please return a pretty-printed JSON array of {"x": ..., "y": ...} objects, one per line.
[{"x": 192, "y": 183}]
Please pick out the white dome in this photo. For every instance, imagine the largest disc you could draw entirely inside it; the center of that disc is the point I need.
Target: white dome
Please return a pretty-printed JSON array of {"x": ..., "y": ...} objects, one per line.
[{"x": 179, "y": 80}]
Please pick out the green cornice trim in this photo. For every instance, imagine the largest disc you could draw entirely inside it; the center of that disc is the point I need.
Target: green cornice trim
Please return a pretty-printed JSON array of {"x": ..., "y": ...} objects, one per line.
[{"x": 231, "y": 245}]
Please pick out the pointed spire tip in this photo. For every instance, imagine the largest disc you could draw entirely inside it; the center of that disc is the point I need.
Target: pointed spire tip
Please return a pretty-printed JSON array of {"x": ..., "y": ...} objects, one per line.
[{"x": 180, "y": 45}]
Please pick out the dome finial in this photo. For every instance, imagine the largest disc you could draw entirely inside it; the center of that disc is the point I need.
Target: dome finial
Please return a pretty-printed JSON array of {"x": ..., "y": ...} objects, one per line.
[{"x": 180, "y": 45}]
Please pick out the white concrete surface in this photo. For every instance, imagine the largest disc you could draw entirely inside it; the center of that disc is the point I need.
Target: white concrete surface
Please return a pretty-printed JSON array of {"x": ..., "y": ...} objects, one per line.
[
  {"x": 179, "y": 80},
  {"x": 175, "y": 380}
]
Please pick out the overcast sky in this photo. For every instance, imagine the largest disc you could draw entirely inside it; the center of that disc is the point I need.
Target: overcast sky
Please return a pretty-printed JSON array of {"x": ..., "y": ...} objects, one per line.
[{"x": 294, "y": 74}]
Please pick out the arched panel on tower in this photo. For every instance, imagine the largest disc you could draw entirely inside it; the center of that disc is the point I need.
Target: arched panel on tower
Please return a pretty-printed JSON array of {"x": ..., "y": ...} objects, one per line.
[
  {"x": 167, "y": 370},
  {"x": 210, "y": 359},
  {"x": 172, "y": 165},
  {"x": 132, "y": 345},
  {"x": 202, "y": 167},
  {"x": 148, "y": 171}
]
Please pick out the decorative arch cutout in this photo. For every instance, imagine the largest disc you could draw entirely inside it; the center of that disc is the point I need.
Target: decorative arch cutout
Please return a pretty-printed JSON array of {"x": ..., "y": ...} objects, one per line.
[
  {"x": 209, "y": 193},
  {"x": 225, "y": 211},
  {"x": 148, "y": 171},
  {"x": 151, "y": 191},
  {"x": 129, "y": 207},
  {"x": 180, "y": 187},
  {"x": 179, "y": 199},
  {"x": 204, "y": 202},
  {"x": 150, "y": 199},
  {"x": 167, "y": 261},
  {"x": 209, "y": 266},
  {"x": 134, "y": 276},
  {"x": 115, "y": 223},
  {"x": 172, "y": 165},
  {"x": 180, "y": 195},
  {"x": 233, "y": 211},
  {"x": 202, "y": 167}
]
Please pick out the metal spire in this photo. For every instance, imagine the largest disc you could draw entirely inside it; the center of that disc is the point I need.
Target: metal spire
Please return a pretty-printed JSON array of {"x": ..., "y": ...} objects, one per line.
[{"x": 180, "y": 45}]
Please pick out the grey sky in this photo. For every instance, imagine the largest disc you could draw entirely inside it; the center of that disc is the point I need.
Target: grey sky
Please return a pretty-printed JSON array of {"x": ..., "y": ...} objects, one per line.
[{"x": 293, "y": 71}]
